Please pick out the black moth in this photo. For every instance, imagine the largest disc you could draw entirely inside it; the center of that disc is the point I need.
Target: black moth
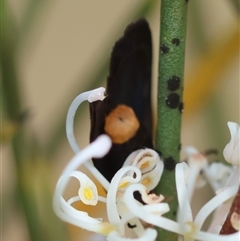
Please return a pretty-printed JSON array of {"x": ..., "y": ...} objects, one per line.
[{"x": 125, "y": 114}]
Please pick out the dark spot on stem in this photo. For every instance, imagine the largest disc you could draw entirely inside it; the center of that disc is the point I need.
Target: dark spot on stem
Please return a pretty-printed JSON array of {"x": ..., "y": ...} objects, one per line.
[
  {"x": 164, "y": 49},
  {"x": 176, "y": 41},
  {"x": 169, "y": 163},
  {"x": 180, "y": 107},
  {"x": 173, "y": 83},
  {"x": 172, "y": 101},
  {"x": 180, "y": 147}
]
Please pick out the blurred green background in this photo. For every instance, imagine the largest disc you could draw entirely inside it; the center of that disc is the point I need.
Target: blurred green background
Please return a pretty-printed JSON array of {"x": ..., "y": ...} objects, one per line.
[{"x": 53, "y": 50}]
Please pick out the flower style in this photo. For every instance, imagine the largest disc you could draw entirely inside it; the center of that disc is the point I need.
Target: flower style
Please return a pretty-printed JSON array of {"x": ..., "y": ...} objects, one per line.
[{"x": 140, "y": 173}]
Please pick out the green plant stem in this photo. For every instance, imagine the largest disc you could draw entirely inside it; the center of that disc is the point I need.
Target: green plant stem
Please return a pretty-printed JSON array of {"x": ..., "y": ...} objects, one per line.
[
  {"x": 12, "y": 105},
  {"x": 13, "y": 110},
  {"x": 171, "y": 66}
]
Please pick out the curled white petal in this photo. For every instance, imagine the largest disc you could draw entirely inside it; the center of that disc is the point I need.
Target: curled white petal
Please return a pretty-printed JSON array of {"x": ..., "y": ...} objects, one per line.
[
  {"x": 185, "y": 212},
  {"x": 232, "y": 149},
  {"x": 132, "y": 158},
  {"x": 112, "y": 210},
  {"x": 196, "y": 163},
  {"x": 152, "y": 178},
  {"x": 150, "y": 164},
  {"x": 157, "y": 208},
  {"x": 145, "y": 159},
  {"x": 189, "y": 234},
  {"x": 88, "y": 191},
  {"x": 102, "y": 145},
  {"x": 63, "y": 209},
  {"x": 97, "y": 94},
  {"x": 92, "y": 95},
  {"x": 151, "y": 216},
  {"x": 216, "y": 201},
  {"x": 81, "y": 219},
  {"x": 71, "y": 114}
]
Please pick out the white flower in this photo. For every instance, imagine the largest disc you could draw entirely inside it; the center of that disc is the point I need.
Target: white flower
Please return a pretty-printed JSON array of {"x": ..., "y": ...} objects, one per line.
[
  {"x": 232, "y": 149},
  {"x": 187, "y": 226},
  {"x": 196, "y": 162},
  {"x": 140, "y": 173},
  {"x": 218, "y": 174},
  {"x": 150, "y": 165},
  {"x": 119, "y": 214},
  {"x": 90, "y": 96},
  {"x": 147, "y": 166},
  {"x": 192, "y": 227},
  {"x": 87, "y": 192}
]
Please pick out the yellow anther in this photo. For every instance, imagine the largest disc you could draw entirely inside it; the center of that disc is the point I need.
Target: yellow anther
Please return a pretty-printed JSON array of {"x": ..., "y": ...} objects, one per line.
[
  {"x": 88, "y": 194},
  {"x": 123, "y": 185},
  {"x": 144, "y": 165},
  {"x": 146, "y": 181}
]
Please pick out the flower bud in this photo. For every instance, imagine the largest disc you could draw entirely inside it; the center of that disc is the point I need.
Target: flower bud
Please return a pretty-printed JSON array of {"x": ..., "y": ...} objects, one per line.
[{"x": 232, "y": 149}]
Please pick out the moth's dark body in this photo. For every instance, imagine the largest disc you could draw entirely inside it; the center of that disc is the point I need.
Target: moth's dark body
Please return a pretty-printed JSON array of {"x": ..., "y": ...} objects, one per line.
[{"x": 128, "y": 83}]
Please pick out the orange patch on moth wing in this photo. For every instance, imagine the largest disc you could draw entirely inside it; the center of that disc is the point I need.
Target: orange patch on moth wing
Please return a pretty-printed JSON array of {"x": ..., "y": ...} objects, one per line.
[{"x": 121, "y": 124}]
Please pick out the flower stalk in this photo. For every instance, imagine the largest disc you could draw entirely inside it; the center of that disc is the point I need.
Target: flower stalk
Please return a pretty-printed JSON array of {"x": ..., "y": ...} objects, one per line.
[{"x": 170, "y": 87}]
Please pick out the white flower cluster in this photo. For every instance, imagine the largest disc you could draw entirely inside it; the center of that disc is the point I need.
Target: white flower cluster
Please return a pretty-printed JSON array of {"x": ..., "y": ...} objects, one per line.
[{"x": 141, "y": 173}]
